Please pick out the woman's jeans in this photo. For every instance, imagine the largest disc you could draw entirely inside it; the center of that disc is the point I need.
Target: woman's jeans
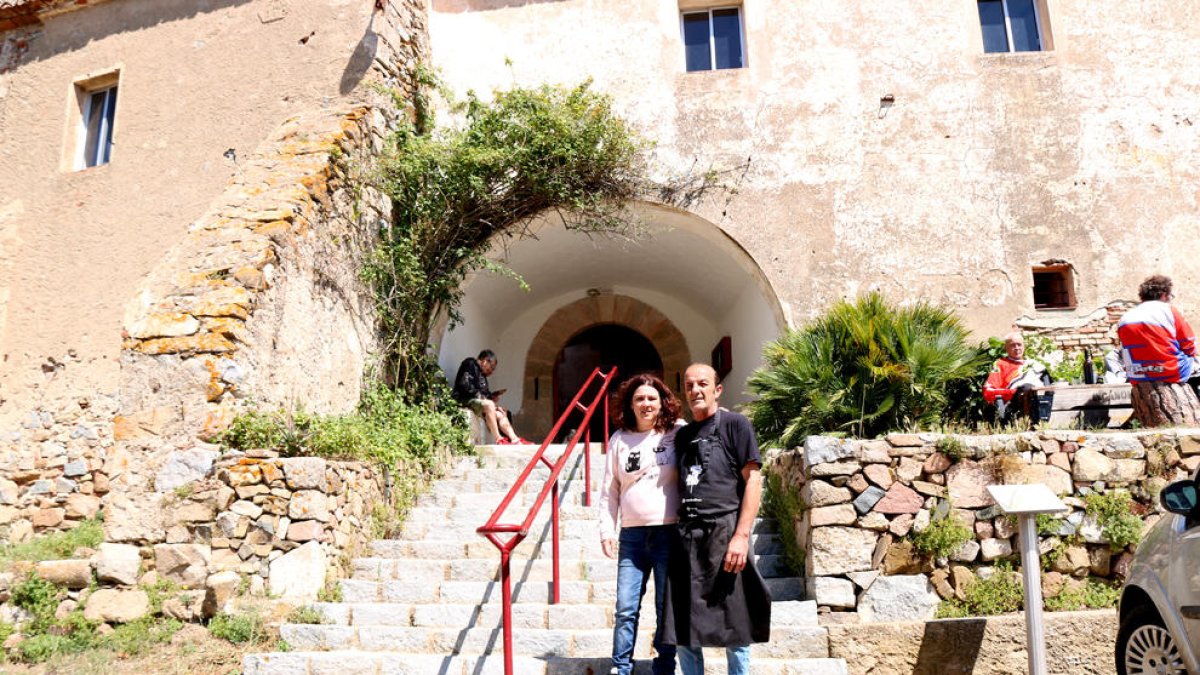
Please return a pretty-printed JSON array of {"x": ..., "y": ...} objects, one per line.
[{"x": 642, "y": 551}]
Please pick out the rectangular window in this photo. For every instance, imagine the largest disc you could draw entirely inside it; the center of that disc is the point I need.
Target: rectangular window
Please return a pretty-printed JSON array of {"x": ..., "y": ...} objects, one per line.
[
  {"x": 96, "y": 132},
  {"x": 712, "y": 39},
  {"x": 1010, "y": 26},
  {"x": 1053, "y": 286}
]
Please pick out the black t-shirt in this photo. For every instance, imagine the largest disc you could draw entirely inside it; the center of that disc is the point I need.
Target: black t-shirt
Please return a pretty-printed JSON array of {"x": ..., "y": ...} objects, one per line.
[
  {"x": 470, "y": 383},
  {"x": 715, "y": 489}
]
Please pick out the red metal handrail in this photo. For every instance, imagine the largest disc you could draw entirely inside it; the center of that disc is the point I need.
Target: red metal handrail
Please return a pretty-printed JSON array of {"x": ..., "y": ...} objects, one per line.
[{"x": 491, "y": 528}]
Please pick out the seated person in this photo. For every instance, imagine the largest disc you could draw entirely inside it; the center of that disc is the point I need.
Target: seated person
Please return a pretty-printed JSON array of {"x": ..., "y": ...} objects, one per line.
[
  {"x": 1010, "y": 385},
  {"x": 471, "y": 391},
  {"x": 1114, "y": 367}
]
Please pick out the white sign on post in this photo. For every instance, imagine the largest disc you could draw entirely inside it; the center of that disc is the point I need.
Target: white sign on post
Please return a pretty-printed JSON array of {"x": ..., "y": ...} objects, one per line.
[{"x": 1025, "y": 502}]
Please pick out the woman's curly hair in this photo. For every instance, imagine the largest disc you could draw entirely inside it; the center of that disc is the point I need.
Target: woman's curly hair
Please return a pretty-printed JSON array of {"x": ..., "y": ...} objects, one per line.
[{"x": 622, "y": 403}]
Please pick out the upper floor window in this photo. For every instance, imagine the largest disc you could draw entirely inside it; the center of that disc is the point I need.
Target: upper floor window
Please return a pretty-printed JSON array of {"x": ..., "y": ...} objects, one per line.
[
  {"x": 99, "y": 108},
  {"x": 1010, "y": 26},
  {"x": 712, "y": 39}
]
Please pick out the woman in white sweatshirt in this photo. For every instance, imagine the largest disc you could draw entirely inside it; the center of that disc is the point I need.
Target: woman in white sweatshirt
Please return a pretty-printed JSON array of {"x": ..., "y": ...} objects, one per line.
[{"x": 640, "y": 492}]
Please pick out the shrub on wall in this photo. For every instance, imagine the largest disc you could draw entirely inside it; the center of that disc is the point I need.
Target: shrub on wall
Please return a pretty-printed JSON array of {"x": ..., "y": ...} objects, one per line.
[{"x": 865, "y": 368}]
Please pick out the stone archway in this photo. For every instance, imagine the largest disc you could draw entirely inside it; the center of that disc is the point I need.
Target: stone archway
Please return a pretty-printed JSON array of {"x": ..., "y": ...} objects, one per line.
[{"x": 537, "y": 405}]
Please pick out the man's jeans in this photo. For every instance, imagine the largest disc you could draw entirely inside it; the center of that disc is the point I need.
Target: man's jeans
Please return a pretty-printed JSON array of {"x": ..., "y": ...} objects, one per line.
[
  {"x": 643, "y": 551},
  {"x": 691, "y": 660}
]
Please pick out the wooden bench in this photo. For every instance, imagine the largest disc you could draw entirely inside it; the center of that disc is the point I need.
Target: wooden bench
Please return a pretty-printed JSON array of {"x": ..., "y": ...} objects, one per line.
[{"x": 1087, "y": 405}]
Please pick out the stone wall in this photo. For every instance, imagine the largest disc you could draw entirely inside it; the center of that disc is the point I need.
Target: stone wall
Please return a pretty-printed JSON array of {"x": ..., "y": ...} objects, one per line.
[
  {"x": 1080, "y": 643},
  {"x": 1097, "y": 331},
  {"x": 864, "y": 498}
]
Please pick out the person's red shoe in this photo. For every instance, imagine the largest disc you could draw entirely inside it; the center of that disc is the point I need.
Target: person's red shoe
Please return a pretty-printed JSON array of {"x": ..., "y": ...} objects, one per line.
[
  {"x": 522, "y": 441},
  {"x": 503, "y": 441}
]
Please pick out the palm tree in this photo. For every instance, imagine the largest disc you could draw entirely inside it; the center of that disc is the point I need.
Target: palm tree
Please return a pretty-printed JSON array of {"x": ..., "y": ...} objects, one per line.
[{"x": 865, "y": 368}]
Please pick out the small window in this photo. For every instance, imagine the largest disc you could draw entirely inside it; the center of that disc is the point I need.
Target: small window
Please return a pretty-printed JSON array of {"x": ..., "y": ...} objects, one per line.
[
  {"x": 712, "y": 39},
  {"x": 98, "y": 108},
  {"x": 1053, "y": 287},
  {"x": 1010, "y": 26}
]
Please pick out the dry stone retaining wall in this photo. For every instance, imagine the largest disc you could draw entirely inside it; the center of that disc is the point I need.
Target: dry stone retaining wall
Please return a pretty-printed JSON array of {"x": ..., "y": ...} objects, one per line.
[{"x": 864, "y": 499}]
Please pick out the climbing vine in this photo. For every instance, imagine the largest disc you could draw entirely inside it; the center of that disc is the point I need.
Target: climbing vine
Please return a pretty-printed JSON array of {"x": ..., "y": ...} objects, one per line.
[{"x": 527, "y": 152}]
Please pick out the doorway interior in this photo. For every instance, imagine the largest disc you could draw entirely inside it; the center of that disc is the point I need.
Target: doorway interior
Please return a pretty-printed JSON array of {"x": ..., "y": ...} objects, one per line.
[{"x": 603, "y": 345}]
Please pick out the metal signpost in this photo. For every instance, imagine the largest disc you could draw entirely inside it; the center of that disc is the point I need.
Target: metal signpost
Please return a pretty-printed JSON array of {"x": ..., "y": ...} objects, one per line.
[{"x": 1025, "y": 502}]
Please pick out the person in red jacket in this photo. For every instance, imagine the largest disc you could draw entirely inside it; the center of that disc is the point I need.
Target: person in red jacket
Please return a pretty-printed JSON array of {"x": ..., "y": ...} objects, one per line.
[{"x": 1010, "y": 385}]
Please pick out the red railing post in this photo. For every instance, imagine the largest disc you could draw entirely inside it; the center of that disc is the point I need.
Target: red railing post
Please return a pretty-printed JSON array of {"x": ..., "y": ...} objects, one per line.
[
  {"x": 492, "y": 528},
  {"x": 587, "y": 466},
  {"x": 506, "y": 609},
  {"x": 554, "y": 533}
]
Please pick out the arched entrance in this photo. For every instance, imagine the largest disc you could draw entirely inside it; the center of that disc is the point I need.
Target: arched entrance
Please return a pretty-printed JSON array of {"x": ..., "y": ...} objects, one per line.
[
  {"x": 603, "y": 345},
  {"x": 616, "y": 315}
]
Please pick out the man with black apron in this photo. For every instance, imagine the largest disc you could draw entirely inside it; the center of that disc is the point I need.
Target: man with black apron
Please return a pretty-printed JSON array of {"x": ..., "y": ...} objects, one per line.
[{"x": 715, "y": 595}]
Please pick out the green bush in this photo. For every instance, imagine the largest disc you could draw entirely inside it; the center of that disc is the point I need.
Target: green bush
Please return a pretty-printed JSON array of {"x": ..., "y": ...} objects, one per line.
[
  {"x": 38, "y": 597},
  {"x": 785, "y": 506},
  {"x": 1094, "y": 594},
  {"x": 237, "y": 628},
  {"x": 385, "y": 429},
  {"x": 943, "y": 536},
  {"x": 865, "y": 368},
  {"x": 55, "y": 545},
  {"x": 306, "y": 614},
  {"x": 998, "y": 594},
  {"x": 952, "y": 447},
  {"x": 1114, "y": 512}
]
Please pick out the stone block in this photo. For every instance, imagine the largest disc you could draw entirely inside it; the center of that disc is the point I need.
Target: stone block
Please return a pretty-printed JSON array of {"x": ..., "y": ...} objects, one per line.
[
  {"x": 305, "y": 473},
  {"x": 899, "y": 598},
  {"x": 835, "y": 469},
  {"x": 898, "y": 440},
  {"x": 1090, "y": 465},
  {"x": 936, "y": 463},
  {"x": 308, "y": 505},
  {"x": 868, "y": 499},
  {"x": 995, "y": 549},
  {"x": 967, "y": 483},
  {"x": 44, "y": 518},
  {"x": 194, "y": 512},
  {"x": 183, "y": 564},
  {"x": 68, "y": 573},
  {"x": 840, "y": 514},
  {"x": 908, "y": 470},
  {"x": 138, "y": 518},
  {"x": 222, "y": 587},
  {"x": 306, "y": 530},
  {"x": 838, "y": 550},
  {"x": 82, "y": 507},
  {"x": 899, "y": 499},
  {"x": 822, "y": 449},
  {"x": 116, "y": 606},
  {"x": 118, "y": 563},
  {"x": 300, "y": 574},
  {"x": 901, "y": 525},
  {"x": 879, "y": 474},
  {"x": 832, "y": 592},
  {"x": 820, "y": 493}
]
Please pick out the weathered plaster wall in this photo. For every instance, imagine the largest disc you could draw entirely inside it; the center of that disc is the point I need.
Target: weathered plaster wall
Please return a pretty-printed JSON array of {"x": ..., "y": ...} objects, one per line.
[
  {"x": 983, "y": 166},
  {"x": 259, "y": 301},
  {"x": 197, "y": 80}
]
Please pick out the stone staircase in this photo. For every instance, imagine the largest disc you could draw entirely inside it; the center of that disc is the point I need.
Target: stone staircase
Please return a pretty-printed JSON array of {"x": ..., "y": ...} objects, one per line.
[{"x": 429, "y": 602}]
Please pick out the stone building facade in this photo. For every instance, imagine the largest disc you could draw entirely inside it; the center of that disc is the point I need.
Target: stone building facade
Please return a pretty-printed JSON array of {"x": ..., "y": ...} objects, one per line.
[
  {"x": 863, "y": 150},
  {"x": 885, "y": 150}
]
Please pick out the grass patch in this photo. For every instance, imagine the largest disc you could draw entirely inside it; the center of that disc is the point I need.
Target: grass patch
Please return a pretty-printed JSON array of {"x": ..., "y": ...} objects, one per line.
[
  {"x": 1093, "y": 594},
  {"x": 238, "y": 628},
  {"x": 785, "y": 506},
  {"x": 943, "y": 536},
  {"x": 951, "y": 447},
  {"x": 56, "y": 545},
  {"x": 1000, "y": 593},
  {"x": 1114, "y": 512},
  {"x": 306, "y": 614}
]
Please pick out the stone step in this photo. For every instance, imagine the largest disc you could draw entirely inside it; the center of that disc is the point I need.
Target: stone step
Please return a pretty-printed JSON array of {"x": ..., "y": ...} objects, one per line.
[
  {"x": 406, "y": 663},
  {"x": 786, "y": 642},
  {"x": 535, "y": 615}
]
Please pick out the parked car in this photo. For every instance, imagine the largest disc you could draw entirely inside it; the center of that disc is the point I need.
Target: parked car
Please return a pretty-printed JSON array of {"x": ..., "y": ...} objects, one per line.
[{"x": 1160, "y": 604}]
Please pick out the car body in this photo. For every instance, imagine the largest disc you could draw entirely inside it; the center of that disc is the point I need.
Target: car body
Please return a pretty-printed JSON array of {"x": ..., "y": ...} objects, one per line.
[{"x": 1159, "y": 611}]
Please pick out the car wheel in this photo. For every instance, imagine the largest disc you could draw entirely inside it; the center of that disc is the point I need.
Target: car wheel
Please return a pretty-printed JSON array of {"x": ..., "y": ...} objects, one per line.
[{"x": 1146, "y": 647}]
